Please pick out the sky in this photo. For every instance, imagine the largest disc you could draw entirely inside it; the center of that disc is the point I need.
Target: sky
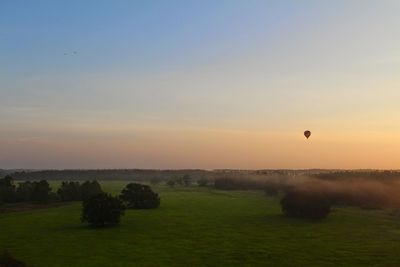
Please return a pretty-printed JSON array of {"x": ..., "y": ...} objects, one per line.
[{"x": 199, "y": 84}]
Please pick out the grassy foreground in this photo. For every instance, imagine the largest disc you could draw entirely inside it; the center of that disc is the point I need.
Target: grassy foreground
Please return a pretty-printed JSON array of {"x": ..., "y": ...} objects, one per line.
[{"x": 202, "y": 227}]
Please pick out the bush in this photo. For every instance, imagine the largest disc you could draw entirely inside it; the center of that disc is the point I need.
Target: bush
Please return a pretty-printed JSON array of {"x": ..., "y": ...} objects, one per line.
[
  {"x": 140, "y": 196},
  {"x": 102, "y": 210},
  {"x": 89, "y": 189},
  {"x": 6, "y": 260},
  {"x": 302, "y": 204}
]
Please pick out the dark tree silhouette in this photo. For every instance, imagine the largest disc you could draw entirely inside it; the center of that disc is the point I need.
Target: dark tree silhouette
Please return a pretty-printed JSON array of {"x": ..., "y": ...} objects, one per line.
[
  {"x": 102, "y": 210},
  {"x": 70, "y": 191},
  {"x": 7, "y": 189},
  {"x": 25, "y": 190},
  {"x": 89, "y": 189},
  {"x": 303, "y": 204},
  {"x": 7, "y": 181},
  {"x": 140, "y": 196},
  {"x": 41, "y": 191}
]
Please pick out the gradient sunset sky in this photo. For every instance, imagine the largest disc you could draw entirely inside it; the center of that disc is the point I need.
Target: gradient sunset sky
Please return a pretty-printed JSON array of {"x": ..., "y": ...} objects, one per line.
[{"x": 199, "y": 84}]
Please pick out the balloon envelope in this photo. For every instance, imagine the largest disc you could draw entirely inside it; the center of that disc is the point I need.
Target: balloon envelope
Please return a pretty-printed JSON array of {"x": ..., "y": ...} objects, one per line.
[{"x": 307, "y": 134}]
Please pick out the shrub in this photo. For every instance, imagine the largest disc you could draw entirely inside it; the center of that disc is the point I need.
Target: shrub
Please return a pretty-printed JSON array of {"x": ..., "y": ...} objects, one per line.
[
  {"x": 89, "y": 189},
  {"x": 6, "y": 260},
  {"x": 302, "y": 204},
  {"x": 102, "y": 210},
  {"x": 140, "y": 196}
]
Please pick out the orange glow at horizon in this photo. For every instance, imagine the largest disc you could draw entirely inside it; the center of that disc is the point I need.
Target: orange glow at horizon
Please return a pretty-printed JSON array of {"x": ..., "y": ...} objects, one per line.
[{"x": 210, "y": 149}]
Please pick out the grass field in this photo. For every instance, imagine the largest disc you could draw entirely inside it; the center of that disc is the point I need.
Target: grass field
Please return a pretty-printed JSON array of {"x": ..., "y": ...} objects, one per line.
[{"x": 202, "y": 227}]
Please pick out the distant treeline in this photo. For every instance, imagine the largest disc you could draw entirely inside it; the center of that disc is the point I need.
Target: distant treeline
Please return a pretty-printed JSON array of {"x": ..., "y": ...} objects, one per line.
[
  {"x": 164, "y": 175},
  {"x": 346, "y": 175},
  {"x": 120, "y": 174},
  {"x": 40, "y": 191}
]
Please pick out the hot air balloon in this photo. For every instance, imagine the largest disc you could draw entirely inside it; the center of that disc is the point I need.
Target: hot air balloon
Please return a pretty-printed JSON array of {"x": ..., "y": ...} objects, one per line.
[{"x": 307, "y": 134}]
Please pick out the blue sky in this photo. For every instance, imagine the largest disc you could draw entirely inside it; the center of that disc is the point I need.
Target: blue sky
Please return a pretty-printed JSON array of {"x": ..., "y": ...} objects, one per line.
[
  {"x": 161, "y": 84},
  {"x": 139, "y": 35}
]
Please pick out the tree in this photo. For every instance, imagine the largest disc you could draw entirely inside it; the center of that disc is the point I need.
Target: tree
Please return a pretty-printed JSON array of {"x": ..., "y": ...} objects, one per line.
[
  {"x": 7, "y": 189},
  {"x": 7, "y": 181},
  {"x": 41, "y": 191},
  {"x": 140, "y": 196},
  {"x": 303, "y": 204},
  {"x": 102, "y": 210},
  {"x": 89, "y": 189},
  {"x": 25, "y": 190},
  {"x": 70, "y": 191}
]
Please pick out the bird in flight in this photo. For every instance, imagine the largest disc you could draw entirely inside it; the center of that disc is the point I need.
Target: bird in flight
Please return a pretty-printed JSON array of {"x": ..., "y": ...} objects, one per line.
[{"x": 72, "y": 53}]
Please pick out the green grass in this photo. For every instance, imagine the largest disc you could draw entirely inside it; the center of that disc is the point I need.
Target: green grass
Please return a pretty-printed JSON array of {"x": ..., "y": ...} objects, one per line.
[{"x": 203, "y": 227}]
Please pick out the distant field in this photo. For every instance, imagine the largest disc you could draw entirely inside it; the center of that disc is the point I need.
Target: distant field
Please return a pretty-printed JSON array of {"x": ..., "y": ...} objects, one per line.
[{"x": 202, "y": 227}]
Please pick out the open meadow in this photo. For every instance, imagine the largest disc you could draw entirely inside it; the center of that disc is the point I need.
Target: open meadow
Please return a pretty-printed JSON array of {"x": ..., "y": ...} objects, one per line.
[{"x": 197, "y": 226}]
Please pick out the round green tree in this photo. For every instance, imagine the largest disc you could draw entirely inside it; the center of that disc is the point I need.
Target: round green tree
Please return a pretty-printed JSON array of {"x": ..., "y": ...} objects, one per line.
[
  {"x": 102, "y": 210},
  {"x": 139, "y": 196}
]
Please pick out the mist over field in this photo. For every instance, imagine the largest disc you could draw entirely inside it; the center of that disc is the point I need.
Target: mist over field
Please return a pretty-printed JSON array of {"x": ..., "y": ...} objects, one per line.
[
  {"x": 365, "y": 189},
  {"x": 371, "y": 189}
]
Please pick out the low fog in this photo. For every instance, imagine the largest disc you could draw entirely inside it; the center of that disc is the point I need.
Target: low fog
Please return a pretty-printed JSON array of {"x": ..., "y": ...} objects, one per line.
[{"x": 369, "y": 190}]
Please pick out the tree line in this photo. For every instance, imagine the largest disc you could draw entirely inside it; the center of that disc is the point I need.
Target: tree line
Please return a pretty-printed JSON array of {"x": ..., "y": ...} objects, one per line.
[
  {"x": 40, "y": 191},
  {"x": 107, "y": 174},
  {"x": 98, "y": 208}
]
